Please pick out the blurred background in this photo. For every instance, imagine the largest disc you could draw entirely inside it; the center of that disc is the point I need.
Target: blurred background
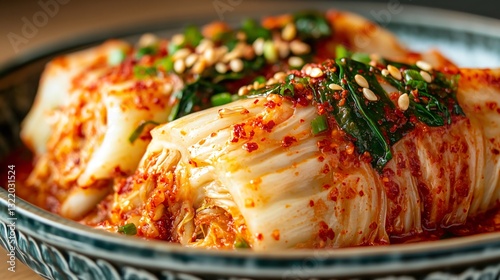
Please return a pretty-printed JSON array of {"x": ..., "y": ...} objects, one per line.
[
  {"x": 38, "y": 25},
  {"x": 32, "y": 27}
]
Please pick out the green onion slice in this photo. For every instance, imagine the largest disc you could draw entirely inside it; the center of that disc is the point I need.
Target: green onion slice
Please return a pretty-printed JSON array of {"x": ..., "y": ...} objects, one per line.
[
  {"x": 128, "y": 229},
  {"x": 221, "y": 98},
  {"x": 319, "y": 124},
  {"x": 138, "y": 131}
]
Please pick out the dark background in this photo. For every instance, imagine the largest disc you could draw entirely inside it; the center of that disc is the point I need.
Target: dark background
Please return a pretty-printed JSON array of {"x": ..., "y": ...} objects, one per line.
[
  {"x": 75, "y": 19},
  {"x": 485, "y": 8}
]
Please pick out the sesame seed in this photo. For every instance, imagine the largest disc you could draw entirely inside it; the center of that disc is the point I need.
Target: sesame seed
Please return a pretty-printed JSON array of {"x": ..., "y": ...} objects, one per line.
[
  {"x": 179, "y": 66},
  {"x": 220, "y": 52},
  {"x": 199, "y": 67},
  {"x": 248, "y": 52},
  {"x": 167, "y": 87},
  {"x": 295, "y": 61},
  {"x": 307, "y": 70},
  {"x": 299, "y": 48},
  {"x": 279, "y": 76},
  {"x": 403, "y": 102},
  {"x": 258, "y": 46},
  {"x": 271, "y": 81},
  {"x": 178, "y": 39},
  {"x": 394, "y": 72},
  {"x": 283, "y": 48},
  {"x": 368, "y": 94},
  {"x": 221, "y": 67},
  {"x": 203, "y": 45},
  {"x": 361, "y": 81},
  {"x": 242, "y": 91},
  {"x": 270, "y": 51},
  {"x": 241, "y": 36},
  {"x": 191, "y": 59},
  {"x": 147, "y": 39},
  {"x": 335, "y": 87},
  {"x": 385, "y": 72},
  {"x": 316, "y": 72},
  {"x": 181, "y": 54},
  {"x": 237, "y": 52},
  {"x": 424, "y": 65},
  {"x": 289, "y": 32},
  {"x": 427, "y": 77},
  {"x": 375, "y": 57},
  {"x": 209, "y": 55},
  {"x": 236, "y": 65}
]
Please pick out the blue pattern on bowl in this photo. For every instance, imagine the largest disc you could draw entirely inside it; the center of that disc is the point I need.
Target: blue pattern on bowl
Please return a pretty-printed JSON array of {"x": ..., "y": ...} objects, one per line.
[{"x": 61, "y": 249}]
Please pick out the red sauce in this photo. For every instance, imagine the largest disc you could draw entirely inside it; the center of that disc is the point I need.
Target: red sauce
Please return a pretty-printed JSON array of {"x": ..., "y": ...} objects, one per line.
[
  {"x": 250, "y": 146},
  {"x": 288, "y": 141}
]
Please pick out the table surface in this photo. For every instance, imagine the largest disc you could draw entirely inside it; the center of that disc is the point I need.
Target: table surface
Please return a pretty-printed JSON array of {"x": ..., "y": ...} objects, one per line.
[{"x": 27, "y": 26}]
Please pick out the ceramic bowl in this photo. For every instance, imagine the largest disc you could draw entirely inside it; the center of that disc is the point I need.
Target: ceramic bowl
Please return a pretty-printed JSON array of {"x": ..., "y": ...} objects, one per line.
[{"x": 57, "y": 248}]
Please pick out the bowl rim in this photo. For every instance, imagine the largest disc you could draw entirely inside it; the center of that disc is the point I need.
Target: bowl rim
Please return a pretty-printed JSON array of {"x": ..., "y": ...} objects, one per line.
[{"x": 452, "y": 20}]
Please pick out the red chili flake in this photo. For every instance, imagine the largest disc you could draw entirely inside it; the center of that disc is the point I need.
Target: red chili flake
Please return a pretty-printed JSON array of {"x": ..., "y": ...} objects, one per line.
[
  {"x": 311, "y": 203},
  {"x": 326, "y": 186},
  {"x": 321, "y": 158},
  {"x": 270, "y": 104},
  {"x": 276, "y": 234},
  {"x": 250, "y": 146},
  {"x": 324, "y": 145},
  {"x": 256, "y": 101},
  {"x": 288, "y": 141},
  {"x": 495, "y": 151},
  {"x": 268, "y": 126},
  {"x": 325, "y": 232},
  {"x": 260, "y": 237},
  {"x": 326, "y": 169},
  {"x": 302, "y": 120},
  {"x": 238, "y": 132},
  {"x": 366, "y": 157},
  {"x": 333, "y": 194}
]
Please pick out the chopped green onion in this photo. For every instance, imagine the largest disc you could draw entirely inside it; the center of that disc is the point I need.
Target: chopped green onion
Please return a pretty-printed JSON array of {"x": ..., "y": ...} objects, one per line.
[
  {"x": 411, "y": 74},
  {"x": 172, "y": 48},
  {"x": 193, "y": 35},
  {"x": 145, "y": 51},
  {"x": 341, "y": 52},
  {"x": 141, "y": 72},
  {"x": 361, "y": 57},
  {"x": 270, "y": 51},
  {"x": 319, "y": 124},
  {"x": 128, "y": 229},
  {"x": 254, "y": 30},
  {"x": 241, "y": 243},
  {"x": 138, "y": 131},
  {"x": 165, "y": 63},
  {"x": 116, "y": 57},
  {"x": 221, "y": 99},
  {"x": 260, "y": 79},
  {"x": 312, "y": 25},
  {"x": 174, "y": 112}
]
